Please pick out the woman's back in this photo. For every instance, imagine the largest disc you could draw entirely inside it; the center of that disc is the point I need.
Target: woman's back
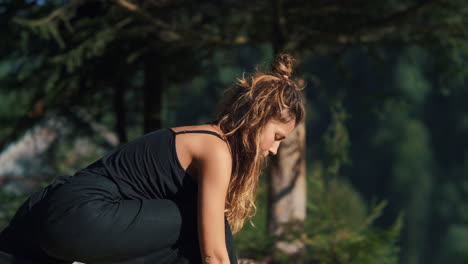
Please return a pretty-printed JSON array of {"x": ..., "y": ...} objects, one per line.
[{"x": 145, "y": 168}]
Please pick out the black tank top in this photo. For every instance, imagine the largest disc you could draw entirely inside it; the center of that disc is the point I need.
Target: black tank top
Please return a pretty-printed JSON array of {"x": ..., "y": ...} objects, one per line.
[{"x": 148, "y": 167}]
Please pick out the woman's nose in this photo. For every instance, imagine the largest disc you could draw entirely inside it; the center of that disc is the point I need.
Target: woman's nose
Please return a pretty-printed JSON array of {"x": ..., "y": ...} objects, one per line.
[{"x": 274, "y": 149}]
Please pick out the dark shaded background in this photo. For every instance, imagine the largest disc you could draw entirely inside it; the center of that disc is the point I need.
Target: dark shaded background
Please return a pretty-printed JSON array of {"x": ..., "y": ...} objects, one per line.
[{"x": 386, "y": 99}]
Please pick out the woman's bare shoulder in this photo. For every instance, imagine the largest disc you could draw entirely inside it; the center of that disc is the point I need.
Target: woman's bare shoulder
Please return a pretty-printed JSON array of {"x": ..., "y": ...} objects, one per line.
[{"x": 203, "y": 145}]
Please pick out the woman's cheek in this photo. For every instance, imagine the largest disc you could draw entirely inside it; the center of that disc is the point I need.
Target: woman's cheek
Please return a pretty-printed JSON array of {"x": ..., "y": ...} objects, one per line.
[{"x": 268, "y": 144}]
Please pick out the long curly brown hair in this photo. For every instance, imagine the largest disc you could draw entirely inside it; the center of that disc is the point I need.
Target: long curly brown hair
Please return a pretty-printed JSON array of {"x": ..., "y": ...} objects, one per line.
[{"x": 251, "y": 103}]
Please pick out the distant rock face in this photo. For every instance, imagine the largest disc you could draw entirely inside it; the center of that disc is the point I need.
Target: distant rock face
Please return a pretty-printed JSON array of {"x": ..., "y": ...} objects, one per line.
[
  {"x": 23, "y": 158},
  {"x": 54, "y": 145}
]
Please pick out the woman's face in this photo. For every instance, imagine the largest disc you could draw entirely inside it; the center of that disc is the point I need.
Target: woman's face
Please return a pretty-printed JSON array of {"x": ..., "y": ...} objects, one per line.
[{"x": 273, "y": 133}]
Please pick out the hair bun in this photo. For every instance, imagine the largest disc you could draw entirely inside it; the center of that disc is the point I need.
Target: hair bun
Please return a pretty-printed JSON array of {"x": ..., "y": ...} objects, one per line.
[{"x": 283, "y": 64}]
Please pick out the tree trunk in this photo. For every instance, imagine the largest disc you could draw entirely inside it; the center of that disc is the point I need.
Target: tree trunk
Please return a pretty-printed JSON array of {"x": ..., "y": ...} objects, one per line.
[
  {"x": 287, "y": 189},
  {"x": 287, "y": 181},
  {"x": 152, "y": 91},
  {"x": 119, "y": 109}
]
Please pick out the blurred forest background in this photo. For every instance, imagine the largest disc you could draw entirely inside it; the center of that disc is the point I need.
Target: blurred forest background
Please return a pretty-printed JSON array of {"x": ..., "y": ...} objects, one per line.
[{"x": 387, "y": 112}]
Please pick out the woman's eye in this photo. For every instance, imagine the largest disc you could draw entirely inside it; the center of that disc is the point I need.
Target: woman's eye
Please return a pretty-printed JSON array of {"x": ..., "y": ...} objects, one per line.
[{"x": 279, "y": 137}]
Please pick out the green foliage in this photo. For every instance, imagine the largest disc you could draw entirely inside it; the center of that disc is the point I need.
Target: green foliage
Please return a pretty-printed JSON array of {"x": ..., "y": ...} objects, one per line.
[
  {"x": 336, "y": 138},
  {"x": 254, "y": 242},
  {"x": 410, "y": 75},
  {"x": 340, "y": 229},
  {"x": 406, "y": 141},
  {"x": 450, "y": 207},
  {"x": 92, "y": 45}
]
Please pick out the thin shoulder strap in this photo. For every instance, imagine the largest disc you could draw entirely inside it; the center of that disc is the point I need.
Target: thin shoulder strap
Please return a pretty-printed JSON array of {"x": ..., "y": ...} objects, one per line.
[{"x": 200, "y": 131}]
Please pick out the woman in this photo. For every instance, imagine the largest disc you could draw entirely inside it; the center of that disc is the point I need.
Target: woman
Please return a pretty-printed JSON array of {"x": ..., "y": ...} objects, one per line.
[{"x": 170, "y": 196}]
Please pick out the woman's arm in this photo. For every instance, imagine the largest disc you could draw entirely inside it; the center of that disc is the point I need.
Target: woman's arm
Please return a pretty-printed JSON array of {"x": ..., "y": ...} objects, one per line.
[{"x": 215, "y": 165}]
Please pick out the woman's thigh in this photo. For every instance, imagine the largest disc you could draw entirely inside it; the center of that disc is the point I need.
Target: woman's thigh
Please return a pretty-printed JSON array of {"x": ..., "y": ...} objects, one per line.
[
  {"x": 113, "y": 231},
  {"x": 94, "y": 225},
  {"x": 186, "y": 251}
]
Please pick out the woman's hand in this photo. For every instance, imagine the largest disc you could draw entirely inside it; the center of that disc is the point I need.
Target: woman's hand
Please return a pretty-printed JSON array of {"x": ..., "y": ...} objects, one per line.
[{"x": 248, "y": 261}]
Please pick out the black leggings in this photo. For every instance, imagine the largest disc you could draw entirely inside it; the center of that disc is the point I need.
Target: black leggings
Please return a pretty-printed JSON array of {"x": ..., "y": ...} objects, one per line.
[{"x": 84, "y": 218}]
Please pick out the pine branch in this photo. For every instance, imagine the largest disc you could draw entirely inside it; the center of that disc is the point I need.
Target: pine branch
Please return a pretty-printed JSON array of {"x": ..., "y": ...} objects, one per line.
[
  {"x": 136, "y": 9},
  {"x": 46, "y": 20},
  {"x": 50, "y": 22},
  {"x": 367, "y": 32},
  {"x": 167, "y": 34},
  {"x": 395, "y": 18}
]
